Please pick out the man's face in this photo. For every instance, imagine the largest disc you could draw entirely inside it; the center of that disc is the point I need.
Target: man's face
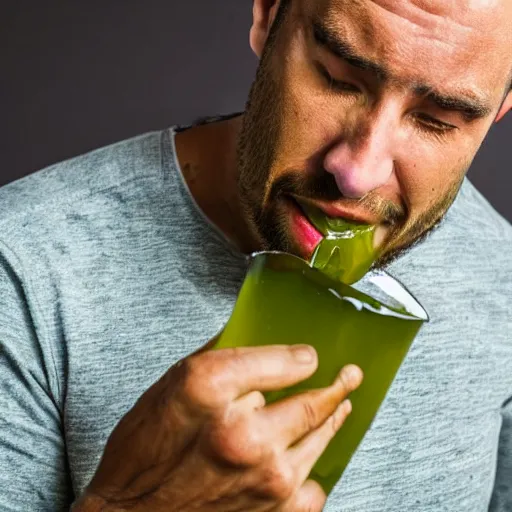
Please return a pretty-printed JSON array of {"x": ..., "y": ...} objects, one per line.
[{"x": 372, "y": 111}]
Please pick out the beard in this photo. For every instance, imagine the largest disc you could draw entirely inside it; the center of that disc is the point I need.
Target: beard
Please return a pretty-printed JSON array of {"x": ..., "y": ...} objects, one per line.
[{"x": 264, "y": 199}]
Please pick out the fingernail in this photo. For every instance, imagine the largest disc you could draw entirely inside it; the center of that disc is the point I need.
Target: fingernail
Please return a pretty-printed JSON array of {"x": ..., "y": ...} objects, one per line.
[
  {"x": 303, "y": 354},
  {"x": 352, "y": 375}
]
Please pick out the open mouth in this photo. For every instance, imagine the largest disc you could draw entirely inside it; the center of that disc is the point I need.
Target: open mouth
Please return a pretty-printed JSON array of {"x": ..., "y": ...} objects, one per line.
[{"x": 312, "y": 222}]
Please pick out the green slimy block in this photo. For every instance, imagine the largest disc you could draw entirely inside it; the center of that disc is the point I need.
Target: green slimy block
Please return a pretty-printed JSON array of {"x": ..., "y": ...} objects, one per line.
[{"x": 347, "y": 252}]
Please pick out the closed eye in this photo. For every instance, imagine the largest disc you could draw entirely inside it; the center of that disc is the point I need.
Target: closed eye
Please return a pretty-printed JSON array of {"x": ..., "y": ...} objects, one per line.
[
  {"x": 333, "y": 83},
  {"x": 434, "y": 124}
]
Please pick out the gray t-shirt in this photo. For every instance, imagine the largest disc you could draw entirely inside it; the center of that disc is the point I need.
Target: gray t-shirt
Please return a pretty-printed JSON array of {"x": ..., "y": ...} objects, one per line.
[{"x": 109, "y": 275}]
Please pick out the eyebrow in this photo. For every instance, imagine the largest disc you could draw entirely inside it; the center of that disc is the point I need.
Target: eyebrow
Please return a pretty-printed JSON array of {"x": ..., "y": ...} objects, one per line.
[
  {"x": 325, "y": 37},
  {"x": 470, "y": 108},
  {"x": 467, "y": 104}
]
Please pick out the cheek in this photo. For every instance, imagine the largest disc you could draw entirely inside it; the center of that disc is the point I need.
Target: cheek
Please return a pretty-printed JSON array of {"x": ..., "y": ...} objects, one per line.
[
  {"x": 304, "y": 126},
  {"x": 308, "y": 123},
  {"x": 428, "y": 172}
]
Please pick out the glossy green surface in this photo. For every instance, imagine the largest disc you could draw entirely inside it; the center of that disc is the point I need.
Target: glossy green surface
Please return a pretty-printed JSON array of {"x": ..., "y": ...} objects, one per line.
[
  {"x": 284, "y": 301},
  {"x": 346, "y": 253}
]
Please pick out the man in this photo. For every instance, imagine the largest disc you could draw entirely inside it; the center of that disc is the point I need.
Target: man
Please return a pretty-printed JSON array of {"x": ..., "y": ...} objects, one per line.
[{"x": 118, "y": 265}]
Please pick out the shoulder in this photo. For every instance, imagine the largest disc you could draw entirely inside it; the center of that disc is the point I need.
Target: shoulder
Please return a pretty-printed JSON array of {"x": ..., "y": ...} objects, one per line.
[
  {"x": 61, "y": 186},
  {"x": 65, "y": 226},
  {"x": 472, "y": 233},
  {"x": 472, "y": 216},
  {"x": 471, "y": 249}
]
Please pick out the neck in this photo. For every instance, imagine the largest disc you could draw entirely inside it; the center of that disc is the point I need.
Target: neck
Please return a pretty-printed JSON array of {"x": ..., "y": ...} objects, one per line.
[{"x": 207, "y": 157}]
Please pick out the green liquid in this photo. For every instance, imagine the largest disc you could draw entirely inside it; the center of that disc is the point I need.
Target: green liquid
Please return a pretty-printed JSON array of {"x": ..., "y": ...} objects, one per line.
[
  {"x": 347, "y": 252},
  {"x": 289, "y": 303}
]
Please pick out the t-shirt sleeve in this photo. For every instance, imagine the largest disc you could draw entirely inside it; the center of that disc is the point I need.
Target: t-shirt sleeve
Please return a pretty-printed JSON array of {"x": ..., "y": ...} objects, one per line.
[
  {"x": 33, "y": 474},
  {"x": 502, "y": 494}
]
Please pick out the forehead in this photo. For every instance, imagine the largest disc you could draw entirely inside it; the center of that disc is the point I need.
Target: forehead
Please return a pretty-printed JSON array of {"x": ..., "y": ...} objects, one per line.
[{"x": 466, "y": 43}]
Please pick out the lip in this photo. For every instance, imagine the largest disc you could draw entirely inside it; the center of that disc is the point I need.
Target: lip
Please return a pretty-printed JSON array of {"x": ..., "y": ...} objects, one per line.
[
  {"x": 305, "y": 234},
  {"x": 337, "y": 211}
]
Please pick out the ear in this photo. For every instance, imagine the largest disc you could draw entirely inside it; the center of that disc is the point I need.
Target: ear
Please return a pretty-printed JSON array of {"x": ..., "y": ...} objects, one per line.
[
  {"x": 263, "y": 13},
  {"x": 506, "y": 107}
]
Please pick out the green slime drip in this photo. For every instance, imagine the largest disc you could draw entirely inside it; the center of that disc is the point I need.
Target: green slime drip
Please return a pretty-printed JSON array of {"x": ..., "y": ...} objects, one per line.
[{"x": 347, "y": 252}]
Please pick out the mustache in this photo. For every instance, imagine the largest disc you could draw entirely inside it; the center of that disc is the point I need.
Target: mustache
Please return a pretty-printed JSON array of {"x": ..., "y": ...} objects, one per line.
[{"x": 322, "y": 186}]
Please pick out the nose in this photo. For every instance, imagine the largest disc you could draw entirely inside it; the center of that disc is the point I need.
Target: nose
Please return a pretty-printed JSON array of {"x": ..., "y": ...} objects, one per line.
[{"x": 362, "y": 160}]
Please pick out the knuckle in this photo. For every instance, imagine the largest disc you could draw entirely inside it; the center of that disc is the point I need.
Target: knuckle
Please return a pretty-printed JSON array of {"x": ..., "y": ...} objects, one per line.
[
  {"x": 236, "y": 361},
  {"x": 234, "y": 441},
  {"x": 278, "y": 480},
  {"x": 309, "y": 415},
  {"x": 205, "y": 376},
  {"x": 200, "y": 381},
  {"x": 193, "y": 376}
]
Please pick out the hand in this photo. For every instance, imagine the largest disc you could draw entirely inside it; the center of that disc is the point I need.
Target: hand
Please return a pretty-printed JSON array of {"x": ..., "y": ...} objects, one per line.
[{"x": 203, "y": 439}]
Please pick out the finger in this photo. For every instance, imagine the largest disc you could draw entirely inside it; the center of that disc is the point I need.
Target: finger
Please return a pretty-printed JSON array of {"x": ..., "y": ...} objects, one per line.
[
  {"x": 291, "y": 419},
  {"x": 303, "y": 455},
  {"x": 221, "y": 376},
  {"x": 309, "y": 498},
  {"x": 250, "y": 402}
]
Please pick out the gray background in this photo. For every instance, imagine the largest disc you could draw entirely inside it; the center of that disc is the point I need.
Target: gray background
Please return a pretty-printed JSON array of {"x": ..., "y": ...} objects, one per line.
[{"x": 79, "y": 75}]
